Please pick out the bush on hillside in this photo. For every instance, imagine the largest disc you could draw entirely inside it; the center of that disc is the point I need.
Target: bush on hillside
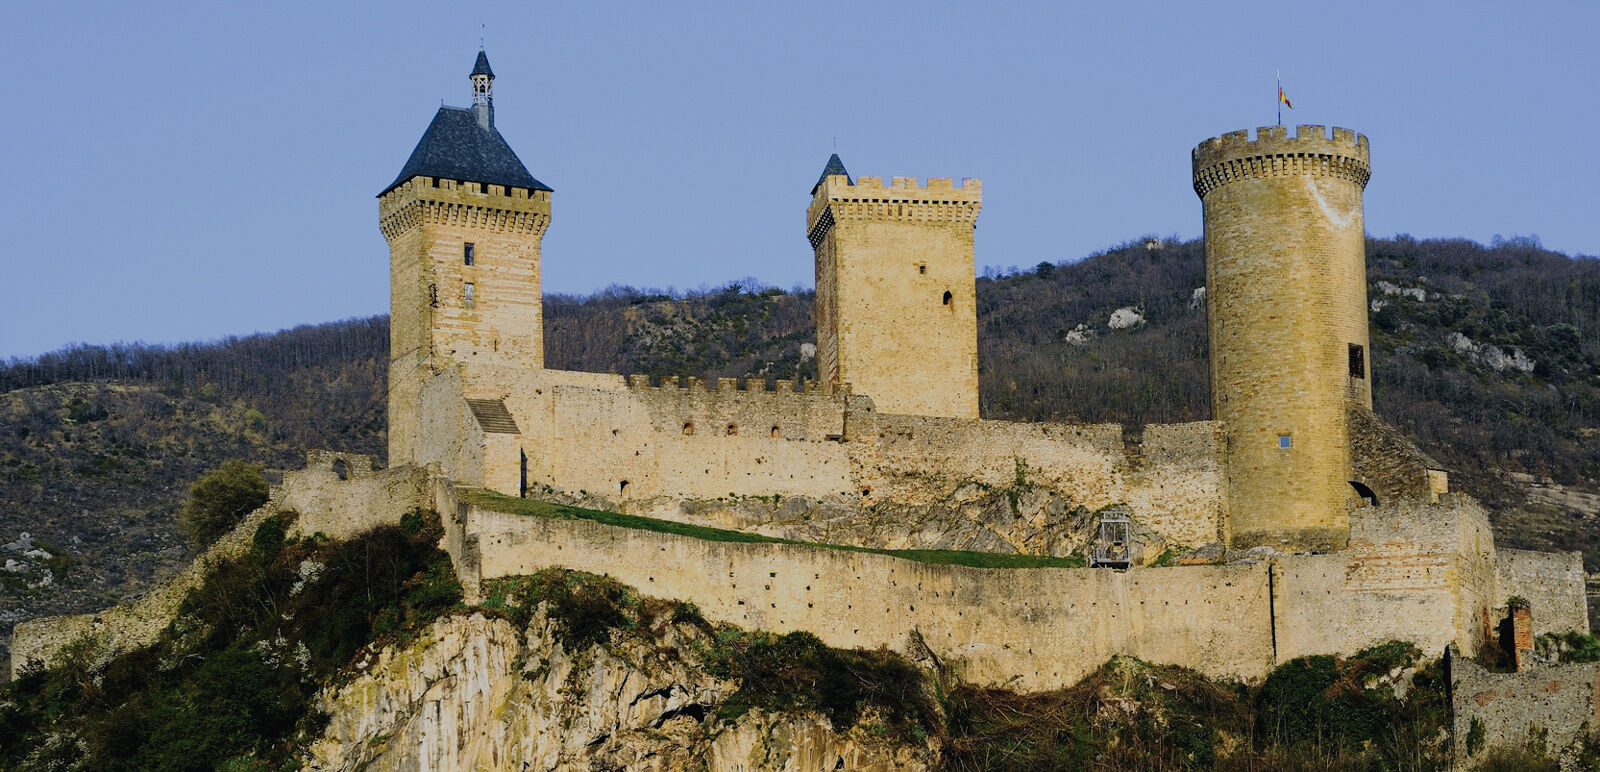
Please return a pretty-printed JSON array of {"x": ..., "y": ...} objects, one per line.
[{"x": 220, "y": 499}]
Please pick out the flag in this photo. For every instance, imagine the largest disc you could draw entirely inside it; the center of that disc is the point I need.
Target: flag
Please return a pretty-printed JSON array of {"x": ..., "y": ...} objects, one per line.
[{"x": 1284, "y": 98}]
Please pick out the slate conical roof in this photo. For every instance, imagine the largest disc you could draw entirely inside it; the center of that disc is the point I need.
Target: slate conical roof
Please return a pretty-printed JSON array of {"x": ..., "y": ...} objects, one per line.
[
  {"x": 456, "y": 147},
  {"x": 835, "y": 166},
  {"x": 481, "y": 67}
]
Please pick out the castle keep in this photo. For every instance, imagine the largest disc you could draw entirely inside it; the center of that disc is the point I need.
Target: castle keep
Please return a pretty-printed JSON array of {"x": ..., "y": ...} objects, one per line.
[
  {"x": 1351, "y": 533},
  {"x": 1286, "y": 292}
]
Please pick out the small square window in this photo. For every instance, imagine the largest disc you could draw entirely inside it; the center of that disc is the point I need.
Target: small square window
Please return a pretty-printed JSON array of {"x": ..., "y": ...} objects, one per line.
[
  {"x": 469, "y": 295},
  {"x": 1285, "y": 442},
  {"x": 466, "y": 253},
  {"x": 922, "y": 268}
]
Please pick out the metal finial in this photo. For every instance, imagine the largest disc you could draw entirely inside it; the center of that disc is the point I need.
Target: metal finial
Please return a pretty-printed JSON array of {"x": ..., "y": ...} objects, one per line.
[
  {"x": 835, "y": 144},
  {"x": 482, "y": 30}
]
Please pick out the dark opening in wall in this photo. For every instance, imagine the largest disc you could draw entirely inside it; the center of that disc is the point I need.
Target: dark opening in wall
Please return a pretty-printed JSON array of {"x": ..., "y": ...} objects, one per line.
[
  {"x": 622, "y": 487},
  {"x": 522, "y": 479},
  {"x": 466, "y": 253},
  {"x": 341, "y": 469},
  {"x": 688, "y": 428},
  {"x": 947, "y": 297},
  {"x": 775, "y": 433},
  {"x": 1358, "y": 361},
  {"x": 1365, "y": 493},
  {"x": 732, "y": 429}
]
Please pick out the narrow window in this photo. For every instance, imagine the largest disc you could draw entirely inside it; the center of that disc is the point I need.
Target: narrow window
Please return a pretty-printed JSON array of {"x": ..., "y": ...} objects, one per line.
[
  {"x": 922, "y": 268},
  {"x": 776, "y": 433},
  {"x": 466, "y": 253},
  {"x": 733, "y": 429},
  {"x": 522, "y": 481},
  {"x": 947, "y": 297},
  {"x": 688, "y": 428},
  {"x": 622, "y": 488},
  {"x": 1285, "y": 442},
  {"x": 1358, "y": 361},
  {"x": 341, "y": 469},
  {"x": 469, "y": 295}
]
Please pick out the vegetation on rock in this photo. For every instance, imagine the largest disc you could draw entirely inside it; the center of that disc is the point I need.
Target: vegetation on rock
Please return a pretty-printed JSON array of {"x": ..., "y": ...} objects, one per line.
[
  {"x": 220, "y": 499},
  {"x": 230, "y": 683}
]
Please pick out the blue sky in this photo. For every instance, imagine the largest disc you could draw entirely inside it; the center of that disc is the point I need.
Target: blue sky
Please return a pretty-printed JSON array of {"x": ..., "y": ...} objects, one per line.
[{"x": 183, "y": 171}]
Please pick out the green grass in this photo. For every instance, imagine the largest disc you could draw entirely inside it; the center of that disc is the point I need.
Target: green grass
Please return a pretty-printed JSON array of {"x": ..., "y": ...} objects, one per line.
[{"x": 499, "y": 502}]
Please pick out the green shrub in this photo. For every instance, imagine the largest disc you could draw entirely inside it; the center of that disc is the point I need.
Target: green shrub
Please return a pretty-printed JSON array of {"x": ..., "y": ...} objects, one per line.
[
  {"x": 231, "y": 683},
  {"x": 220, "y": 499}
]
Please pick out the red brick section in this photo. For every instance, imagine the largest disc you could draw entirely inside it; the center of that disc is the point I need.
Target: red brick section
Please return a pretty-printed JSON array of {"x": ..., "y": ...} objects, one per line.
[{"x": 1522, "y": 634}]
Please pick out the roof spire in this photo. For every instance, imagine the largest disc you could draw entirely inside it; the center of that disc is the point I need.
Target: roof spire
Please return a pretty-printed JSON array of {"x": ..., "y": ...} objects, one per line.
[
  {"x": 482, "y": 93},
  {"x": 835, "y": 166}
]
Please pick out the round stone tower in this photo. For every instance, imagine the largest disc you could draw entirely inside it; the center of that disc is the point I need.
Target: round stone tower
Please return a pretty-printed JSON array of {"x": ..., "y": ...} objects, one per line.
[{"x": 1286, "y": 292}]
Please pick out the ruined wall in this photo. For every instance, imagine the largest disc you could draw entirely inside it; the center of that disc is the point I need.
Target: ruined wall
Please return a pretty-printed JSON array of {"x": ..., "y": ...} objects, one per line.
[
  {"x": 897, "y": 298},
  {"x": 1562, "y": 701},
  {"x": 1553, "y": 584},
  {"x": 1286, "y": 301},
  {"x": 341, "y": 507},
  {"x": 1030, "y": 629},
  {"x": 1411, "y": 573}
]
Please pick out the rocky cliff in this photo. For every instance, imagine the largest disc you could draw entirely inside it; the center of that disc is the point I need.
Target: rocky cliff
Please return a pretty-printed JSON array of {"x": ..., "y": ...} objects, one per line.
[{"x": 480, "y": 692}]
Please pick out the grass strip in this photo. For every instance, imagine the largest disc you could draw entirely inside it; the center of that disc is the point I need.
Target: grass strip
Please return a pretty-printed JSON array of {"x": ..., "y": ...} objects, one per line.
[{"x": 500, "y": 502}]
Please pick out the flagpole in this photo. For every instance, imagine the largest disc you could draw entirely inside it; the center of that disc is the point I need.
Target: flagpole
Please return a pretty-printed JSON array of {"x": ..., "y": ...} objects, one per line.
[{"x": 1279, "y": 100}]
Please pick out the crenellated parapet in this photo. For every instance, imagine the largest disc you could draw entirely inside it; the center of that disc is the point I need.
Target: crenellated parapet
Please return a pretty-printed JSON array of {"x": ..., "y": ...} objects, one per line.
[
  {"x": 1273, "y": 153},
  {"x": 938, "y": 200},
  {"x": 434, "y": 201}
]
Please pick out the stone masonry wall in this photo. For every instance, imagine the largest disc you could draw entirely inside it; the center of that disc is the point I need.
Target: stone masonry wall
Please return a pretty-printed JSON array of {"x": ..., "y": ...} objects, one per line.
[
  {"x": 1029, "y": 629},
  {"x": 1388, "y": 463},
  {"x": 1562, "y": 701},
  {"x": 1417, "y": 573},
  {"x": 1553, "y": 584},
  {"x": 628, "y": 440}
]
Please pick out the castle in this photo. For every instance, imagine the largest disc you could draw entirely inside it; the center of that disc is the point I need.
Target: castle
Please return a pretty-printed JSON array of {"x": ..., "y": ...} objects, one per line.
[
  {"x": 1294, "y": 449},
  {"x": 1351, "y": 534}
]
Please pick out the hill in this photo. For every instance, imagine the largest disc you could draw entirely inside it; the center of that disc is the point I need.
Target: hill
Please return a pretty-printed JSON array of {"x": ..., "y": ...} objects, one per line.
[{"x": 1489, "y": 357}]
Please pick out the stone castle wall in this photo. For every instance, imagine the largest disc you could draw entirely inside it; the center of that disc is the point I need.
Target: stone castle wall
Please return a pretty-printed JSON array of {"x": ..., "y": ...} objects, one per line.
[
  {"x": 1561, "y": 702},
  {"x": 896, "y": 291},
  {"x": 1028, "y": 629},
  {"x": 1286, "y": 298},
  {"x": 1552, "y": 583},
  {"x": 1412, "y": 574},
  {"x": 626, "y": 440}
]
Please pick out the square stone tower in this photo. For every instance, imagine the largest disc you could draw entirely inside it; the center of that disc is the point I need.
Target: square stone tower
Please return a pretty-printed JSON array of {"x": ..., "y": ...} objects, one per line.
[
  {"x": 896, "y": 291},
  {"x": 464, "y": 221}
]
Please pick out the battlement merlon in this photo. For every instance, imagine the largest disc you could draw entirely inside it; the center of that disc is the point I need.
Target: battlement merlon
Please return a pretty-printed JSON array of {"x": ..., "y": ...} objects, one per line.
[
  {"x": 1272, "y": 153},
  {"x": 937, "y": 198},
  {"x": 422, "y": 198}
]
